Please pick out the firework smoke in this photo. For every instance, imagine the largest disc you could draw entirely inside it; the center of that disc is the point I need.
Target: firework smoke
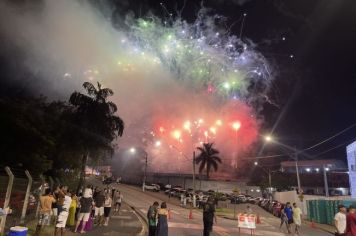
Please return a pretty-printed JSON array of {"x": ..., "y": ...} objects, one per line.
[{"x": 165, "y": 73}]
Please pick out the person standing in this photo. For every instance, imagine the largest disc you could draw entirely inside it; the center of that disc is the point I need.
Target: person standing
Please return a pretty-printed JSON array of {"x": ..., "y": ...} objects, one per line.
[
  {"x": 209, "y": 216},
  {"x": 107, "y": 208},
  {"x": 72, "y": 209},
  {"x": 118, "y": 201},
  {"x": 340, "y": 221},
  {"x": 297, "y": 217},
  {"x": 162, "y": 223},
  {"x": 99, "y": 207},
  {"x": 86, "y": 204},
  {"x": 152, "y": 219},
  {"x": 351, "y": 221},
  {"x": 46, "y": 202},
  {"x": 63, "y": 215},
  {"x": 284, "y": 218},
  {"x": 61, "y": 193},
  {"x": 289, "y": 213}
]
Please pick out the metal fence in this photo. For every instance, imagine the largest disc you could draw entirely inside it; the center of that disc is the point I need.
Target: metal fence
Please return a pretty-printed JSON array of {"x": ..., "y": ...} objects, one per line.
[{"x": 20, "y": 191}]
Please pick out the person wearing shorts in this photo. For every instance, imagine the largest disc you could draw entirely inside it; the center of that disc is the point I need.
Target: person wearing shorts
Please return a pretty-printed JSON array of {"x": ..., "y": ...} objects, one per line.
[
  {"x": 63, "y": 215},
  {"x": 99, "y": 208},
  {"x": 107, "y": 208},
  {"x": 86, "y": 204},
  {"x": 46, "y": 202},
  {"x": 289, "y": 213},
  {"x": 118, "y": 201}
]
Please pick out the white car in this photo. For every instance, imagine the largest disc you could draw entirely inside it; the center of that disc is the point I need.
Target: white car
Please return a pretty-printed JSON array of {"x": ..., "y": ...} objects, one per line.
[{"x": 152, "y": 187}]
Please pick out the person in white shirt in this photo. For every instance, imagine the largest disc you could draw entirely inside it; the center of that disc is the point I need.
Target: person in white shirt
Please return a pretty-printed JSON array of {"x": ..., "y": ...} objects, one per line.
[
  {"x": 107, "y": 208},
  {"x": 340, "y": 221},
  {"x": 118, "y": 201},
  {"x": 63, "y": 215}
]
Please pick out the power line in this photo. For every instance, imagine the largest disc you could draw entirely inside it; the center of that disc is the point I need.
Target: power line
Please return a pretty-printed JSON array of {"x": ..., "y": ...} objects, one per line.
[{"x": 328, "y": 139}]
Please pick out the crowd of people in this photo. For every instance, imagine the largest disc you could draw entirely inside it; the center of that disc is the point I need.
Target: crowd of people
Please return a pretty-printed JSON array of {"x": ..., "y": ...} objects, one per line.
[{"x": 63, "y": 208}]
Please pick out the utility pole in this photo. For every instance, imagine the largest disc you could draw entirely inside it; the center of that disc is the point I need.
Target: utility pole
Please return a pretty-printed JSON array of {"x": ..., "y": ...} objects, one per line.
[
  {"x": 325, "y": 182},
  {"x": 194, "y": 198},
  {"x": 145, "y": 176},
  {"x": 270, "y": 180},
  {"x": 297, "y": 169}
]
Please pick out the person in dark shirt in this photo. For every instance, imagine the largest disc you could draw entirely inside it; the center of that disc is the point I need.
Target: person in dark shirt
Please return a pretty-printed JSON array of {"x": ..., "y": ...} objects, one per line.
[
  {"x": 99, "y": 207},
  {"x": 209, "y": 216},
  {"x": 289, "y": 213},
  {"x": 152, "y": 219},
  {"x": 85, "y": 208}
]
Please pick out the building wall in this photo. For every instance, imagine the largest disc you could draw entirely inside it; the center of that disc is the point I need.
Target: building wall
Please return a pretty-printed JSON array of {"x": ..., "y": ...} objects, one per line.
[{"x": 291, "y": 196}]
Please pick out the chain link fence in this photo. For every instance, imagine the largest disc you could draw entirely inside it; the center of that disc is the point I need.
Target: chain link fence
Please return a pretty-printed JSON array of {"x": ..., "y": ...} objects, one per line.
[{"x": 19, "y": 196}]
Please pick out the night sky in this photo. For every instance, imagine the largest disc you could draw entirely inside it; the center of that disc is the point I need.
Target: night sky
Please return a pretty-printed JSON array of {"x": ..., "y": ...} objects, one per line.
[
  {"x": 314, "y": 94},
  {"x": 315, "y": 91}
]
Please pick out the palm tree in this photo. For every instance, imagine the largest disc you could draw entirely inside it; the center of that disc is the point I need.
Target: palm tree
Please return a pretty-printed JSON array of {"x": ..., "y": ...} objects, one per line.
[
  {"x": 208, "y": 158},
  {"x": 97, "y": 120}
]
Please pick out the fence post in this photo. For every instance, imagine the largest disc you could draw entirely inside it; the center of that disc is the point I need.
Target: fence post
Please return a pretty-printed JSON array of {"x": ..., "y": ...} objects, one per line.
[
  {"x": 41, "y": 193},
  {"x": 27, "y": 196},
  {"x": 51, "y": 182},
  {"x": 7, "y": 199}
]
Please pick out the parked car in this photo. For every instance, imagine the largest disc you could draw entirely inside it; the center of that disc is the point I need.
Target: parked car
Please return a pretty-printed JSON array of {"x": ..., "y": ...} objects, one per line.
[
  {"x": 152, "y": 187},
  {"x": 238, "y": 199}
]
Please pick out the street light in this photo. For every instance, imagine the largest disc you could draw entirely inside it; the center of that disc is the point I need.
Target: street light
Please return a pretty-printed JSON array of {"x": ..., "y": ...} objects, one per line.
[
  {"x": 158, "y": 143},
  {"x": 269, "y": 138},
  {"x": 256, "y": 163},
  {"x": 132, "y": 150}
]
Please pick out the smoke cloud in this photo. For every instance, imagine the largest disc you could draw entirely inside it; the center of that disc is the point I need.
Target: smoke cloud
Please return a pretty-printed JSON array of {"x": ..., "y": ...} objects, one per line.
[{"x": 165, "y": 74}]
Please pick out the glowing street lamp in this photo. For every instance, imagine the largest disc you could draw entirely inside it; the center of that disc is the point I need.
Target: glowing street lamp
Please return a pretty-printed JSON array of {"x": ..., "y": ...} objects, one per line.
[
  {"x": 132, "y": 150},
  {"x": 256, "y": 163},
  {"x": 158, "y": 143},
  {"x": 269, "y": 138}
]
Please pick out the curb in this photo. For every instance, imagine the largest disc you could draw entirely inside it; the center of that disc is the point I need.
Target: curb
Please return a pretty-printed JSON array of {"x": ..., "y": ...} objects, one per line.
[{"x": 139, "y": 213}]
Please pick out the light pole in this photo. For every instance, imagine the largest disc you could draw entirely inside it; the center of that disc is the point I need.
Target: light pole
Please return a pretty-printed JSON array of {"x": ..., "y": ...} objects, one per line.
[
  {"x": 133, "y": 151},
  {"x": 145, "y": 175},
  {"x": 270, "y": 139},
  {"x": 326, "y": 181}
]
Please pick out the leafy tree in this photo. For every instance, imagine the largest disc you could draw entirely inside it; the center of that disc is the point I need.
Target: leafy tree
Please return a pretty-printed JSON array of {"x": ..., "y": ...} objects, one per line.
[
  {"x": 95, "y": 116},
  {"x": 208, "y": 158}
]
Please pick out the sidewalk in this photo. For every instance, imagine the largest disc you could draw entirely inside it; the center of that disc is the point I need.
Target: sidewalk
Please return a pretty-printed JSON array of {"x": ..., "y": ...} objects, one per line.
[{"x": 125, "y": 224}]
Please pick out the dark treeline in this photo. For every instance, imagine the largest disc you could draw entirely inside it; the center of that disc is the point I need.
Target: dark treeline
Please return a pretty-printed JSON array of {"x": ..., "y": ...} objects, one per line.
[{"x": 49, "y": 137}]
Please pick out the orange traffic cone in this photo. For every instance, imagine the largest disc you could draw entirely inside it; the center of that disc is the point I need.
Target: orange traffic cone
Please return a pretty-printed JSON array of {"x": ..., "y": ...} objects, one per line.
[
  {"x": 258, "y": 220},
  {"x": 169, "y": 214},
  {"x": 312, "y": 224},
  {"x": 190, "y": 214}
]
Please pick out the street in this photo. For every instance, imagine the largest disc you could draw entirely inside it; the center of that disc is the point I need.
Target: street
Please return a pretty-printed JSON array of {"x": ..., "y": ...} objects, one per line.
[{"x": 180, "y": 224}]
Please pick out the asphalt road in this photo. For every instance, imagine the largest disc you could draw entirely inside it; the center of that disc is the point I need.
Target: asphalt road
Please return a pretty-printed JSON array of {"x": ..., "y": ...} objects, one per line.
[{"x": 181, "y": 225}]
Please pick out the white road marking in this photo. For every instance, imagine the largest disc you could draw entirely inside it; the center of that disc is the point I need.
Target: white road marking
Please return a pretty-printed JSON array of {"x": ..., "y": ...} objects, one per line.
[{"x": 122, "y": 217}]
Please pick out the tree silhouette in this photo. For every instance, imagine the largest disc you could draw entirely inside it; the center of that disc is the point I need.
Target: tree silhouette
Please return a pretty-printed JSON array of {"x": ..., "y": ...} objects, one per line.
[
  {"x": 208, "y": 158},
  {"x": 96, "y": 117}
]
